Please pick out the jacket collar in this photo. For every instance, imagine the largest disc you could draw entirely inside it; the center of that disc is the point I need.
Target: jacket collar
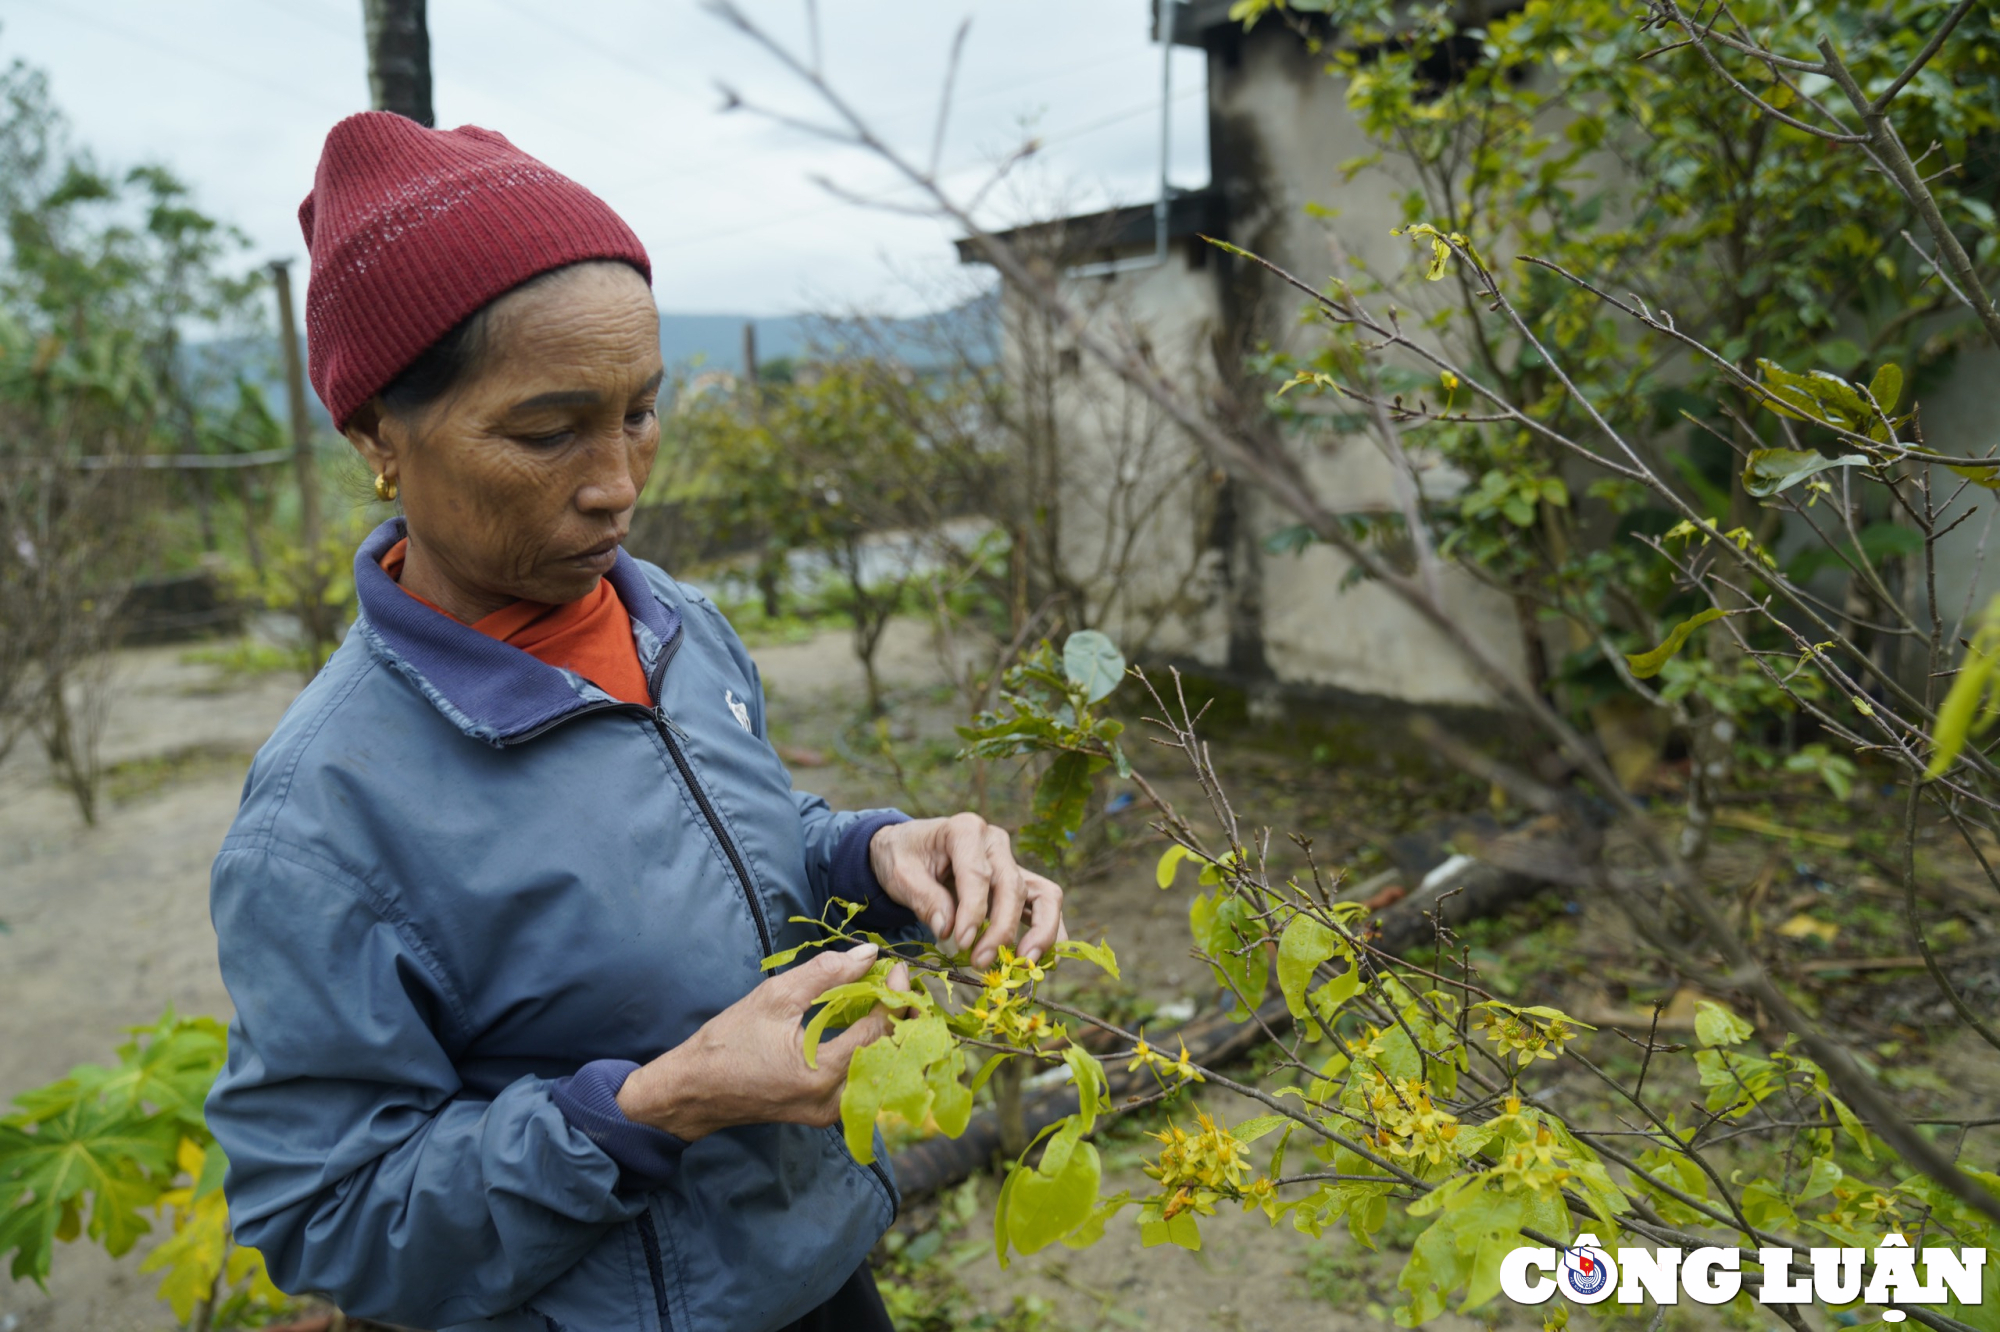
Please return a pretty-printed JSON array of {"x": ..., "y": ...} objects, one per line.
[{"x": 491, "y": 690}]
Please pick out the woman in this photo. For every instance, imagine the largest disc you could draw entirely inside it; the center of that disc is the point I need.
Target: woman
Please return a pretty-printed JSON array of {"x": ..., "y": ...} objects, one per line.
[{"x": 493, "y": 910}]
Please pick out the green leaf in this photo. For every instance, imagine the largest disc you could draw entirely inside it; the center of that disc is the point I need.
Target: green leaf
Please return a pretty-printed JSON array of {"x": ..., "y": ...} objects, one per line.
[
  {"x": 1091, "y": 1087},
  {"x": 1093, "y": 663},
  {"x": 166, "y": 1068},
  {"x": 1815, "y": 396},
  {"x": 1170, "y": 864},
  {"x": 1304, "y": 945},
  {"x": 1989, "y": 477},
  {"x": 1715, "y": 1025},
  {"x": 1290, "y": 540},
  {"x": 878, "y": 1074},
  {"x": 1887, "y": 386},
  {"x": 1230, "y": 935},
  {"x": 1960, "y": 710},
  {"x": 88, "y": 1151},
  {"x": 1061, "y": 797},
  {"x": 1856, "y": 1130},
  {"x": 1098, "y": 955},
  {"x": 1252, "y": 1129},
  {"x": 1043, "y": 1208},
  {"x": 951, "y": 1099},
  {"x": 1820, "y": 1179},
  {"x": 895, "y": 1073},
  {"x": 1770, "y": 471},
  {"x": 988, "y": 1069},
  {"x": 1646, "y": 665},
  {"x": 1179, "y": 1229},
  {"x": 1277, "y": 1170},
  {"x": 1328, "y": 998},
  {"x": 1764, "y": 1206},
  {"x": 843, "y": 1006},
  {"x": 1002, "y": 1237},
  {"x": 785, "y": 957},
  {"x": 214, "y": 1165},
  {"x": 1092, "y": 1229}
]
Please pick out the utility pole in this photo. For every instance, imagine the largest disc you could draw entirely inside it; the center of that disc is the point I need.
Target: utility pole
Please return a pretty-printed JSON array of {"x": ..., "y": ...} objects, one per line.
[
  {"x": 399, "y": 58},
  {"x": 295, "y": 392},
  {"x": 312, "y": 602}
]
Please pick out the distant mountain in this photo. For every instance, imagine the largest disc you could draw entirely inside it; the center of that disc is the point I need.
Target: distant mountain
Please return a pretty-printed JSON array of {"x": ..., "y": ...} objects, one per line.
[{"x": 714, "y": 341}]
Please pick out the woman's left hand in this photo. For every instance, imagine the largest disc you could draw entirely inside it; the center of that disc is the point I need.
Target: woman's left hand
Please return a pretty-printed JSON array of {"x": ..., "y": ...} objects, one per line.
[{"x": 959, "y": 873}]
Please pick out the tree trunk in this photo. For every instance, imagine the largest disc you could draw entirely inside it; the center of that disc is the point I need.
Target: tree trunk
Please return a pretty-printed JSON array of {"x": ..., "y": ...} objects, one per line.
[
  {"x": 399, "y": 58},
  {"x": 314, "y": 617}
]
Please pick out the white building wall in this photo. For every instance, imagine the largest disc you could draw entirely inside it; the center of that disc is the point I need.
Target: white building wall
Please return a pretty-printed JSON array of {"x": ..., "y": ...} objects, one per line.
[
  {"x": 1279, "y": 134},
  {"x": 1282, "y": 135}
]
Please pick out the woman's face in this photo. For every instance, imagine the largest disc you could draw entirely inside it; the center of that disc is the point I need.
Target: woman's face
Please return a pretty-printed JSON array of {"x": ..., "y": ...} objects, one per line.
[{"x": 521, "y": 480}]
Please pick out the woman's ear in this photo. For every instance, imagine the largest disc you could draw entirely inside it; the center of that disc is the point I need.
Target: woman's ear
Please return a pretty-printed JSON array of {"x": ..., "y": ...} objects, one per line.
[{"x": 365, "y": 432}]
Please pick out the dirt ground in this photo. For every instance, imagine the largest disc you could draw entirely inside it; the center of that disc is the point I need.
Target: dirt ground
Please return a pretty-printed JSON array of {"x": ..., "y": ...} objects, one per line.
[{"x": 101, "y": 928}]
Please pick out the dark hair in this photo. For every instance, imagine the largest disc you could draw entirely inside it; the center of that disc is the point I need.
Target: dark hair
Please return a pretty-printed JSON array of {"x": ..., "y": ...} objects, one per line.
[
  {"x": 440, "y": 367},
  {"x": 449, "y": 361}
]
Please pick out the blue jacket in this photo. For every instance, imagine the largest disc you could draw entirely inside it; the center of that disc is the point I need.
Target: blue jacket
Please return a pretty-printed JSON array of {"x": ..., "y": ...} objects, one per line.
[{"x": 466, "y": 893}]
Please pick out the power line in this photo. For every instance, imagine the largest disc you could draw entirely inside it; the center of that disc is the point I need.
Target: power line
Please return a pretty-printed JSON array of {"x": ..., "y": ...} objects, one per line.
[
  {"x": 701, "y": 170},
  {"x": 829, "y": 206}
]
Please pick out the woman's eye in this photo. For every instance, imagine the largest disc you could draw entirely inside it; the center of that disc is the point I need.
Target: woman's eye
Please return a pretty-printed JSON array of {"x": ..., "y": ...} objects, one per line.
[
  {"x": 637, "y": 420},
  {"x": 552, "y": 440}
]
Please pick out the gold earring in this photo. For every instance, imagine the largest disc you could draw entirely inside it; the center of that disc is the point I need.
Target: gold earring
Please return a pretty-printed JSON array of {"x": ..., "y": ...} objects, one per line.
[{"x": 385, "y": 488}]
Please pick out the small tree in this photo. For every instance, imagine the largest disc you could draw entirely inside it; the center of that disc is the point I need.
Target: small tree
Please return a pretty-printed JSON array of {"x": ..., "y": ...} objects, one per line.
[
  {"x": 100, "y": 278},
  {"x": 834, "y": 471},
  {"x": 1414, "y": 1086}
]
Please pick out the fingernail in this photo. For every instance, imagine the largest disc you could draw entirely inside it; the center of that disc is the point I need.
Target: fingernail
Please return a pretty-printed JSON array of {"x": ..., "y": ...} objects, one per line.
[
  {"x": 867, "y": 950},
  {"x": 938, "y": 922},
  {"x": 1033, "y": 955}
]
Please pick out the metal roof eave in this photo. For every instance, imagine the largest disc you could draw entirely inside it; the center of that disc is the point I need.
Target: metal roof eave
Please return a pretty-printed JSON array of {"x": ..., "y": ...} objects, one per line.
[{"x": 1189, "y": 213}]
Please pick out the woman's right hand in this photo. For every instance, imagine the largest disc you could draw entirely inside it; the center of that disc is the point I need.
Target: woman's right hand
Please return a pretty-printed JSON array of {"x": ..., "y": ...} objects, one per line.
[{"x": 747, "y": 1064}]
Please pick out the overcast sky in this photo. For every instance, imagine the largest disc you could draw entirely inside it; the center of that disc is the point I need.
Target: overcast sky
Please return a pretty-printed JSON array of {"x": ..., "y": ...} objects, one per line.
[{"x": 236, "y": 95}]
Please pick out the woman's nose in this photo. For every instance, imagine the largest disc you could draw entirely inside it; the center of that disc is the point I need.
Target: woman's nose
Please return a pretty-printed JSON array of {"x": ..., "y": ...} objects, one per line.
[{"x": 609, "y": 486}]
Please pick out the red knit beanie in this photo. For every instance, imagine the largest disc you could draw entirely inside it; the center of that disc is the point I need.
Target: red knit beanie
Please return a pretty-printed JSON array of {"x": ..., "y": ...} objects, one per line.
[{"x": 412, "y": 229}]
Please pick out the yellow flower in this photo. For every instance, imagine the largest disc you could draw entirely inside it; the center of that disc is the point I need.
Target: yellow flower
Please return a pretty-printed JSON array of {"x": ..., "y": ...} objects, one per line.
[{"x": 1142, "y": 1053}]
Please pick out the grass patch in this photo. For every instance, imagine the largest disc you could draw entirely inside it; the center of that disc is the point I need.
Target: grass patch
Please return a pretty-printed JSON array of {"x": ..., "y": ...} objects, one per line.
[
  {"x": 134, "y": 779},
  {"x": 248, "y": 659}
]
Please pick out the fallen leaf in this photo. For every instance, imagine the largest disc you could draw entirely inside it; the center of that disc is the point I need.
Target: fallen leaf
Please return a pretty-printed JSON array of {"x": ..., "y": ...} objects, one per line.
[
  {"x": 1803, "y": 926},
  {"x": 1395, "y": 892},
  {"x": 1748, "y": 822}
]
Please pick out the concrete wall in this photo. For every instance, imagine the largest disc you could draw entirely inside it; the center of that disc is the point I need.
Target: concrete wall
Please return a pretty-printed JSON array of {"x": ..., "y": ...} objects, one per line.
[
  {"x": 1279, "y": 131},
  {"x": 1959, "y": 417},
  {"x": 1279, "y": 135},
  {"x": 1132, "y": 500}
]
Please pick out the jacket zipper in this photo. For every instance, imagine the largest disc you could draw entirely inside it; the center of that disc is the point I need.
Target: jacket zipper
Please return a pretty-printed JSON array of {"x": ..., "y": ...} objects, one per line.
[
  {"x": 649, "y": 1241},
  {"x": 670, "y": 732},
  {"x": 669, "y": 729},
  {"x": 670, "y": 735}
]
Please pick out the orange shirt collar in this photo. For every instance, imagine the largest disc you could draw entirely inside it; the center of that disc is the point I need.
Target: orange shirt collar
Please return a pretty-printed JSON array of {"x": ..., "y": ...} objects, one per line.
[{"x": 591, "y": 636}]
